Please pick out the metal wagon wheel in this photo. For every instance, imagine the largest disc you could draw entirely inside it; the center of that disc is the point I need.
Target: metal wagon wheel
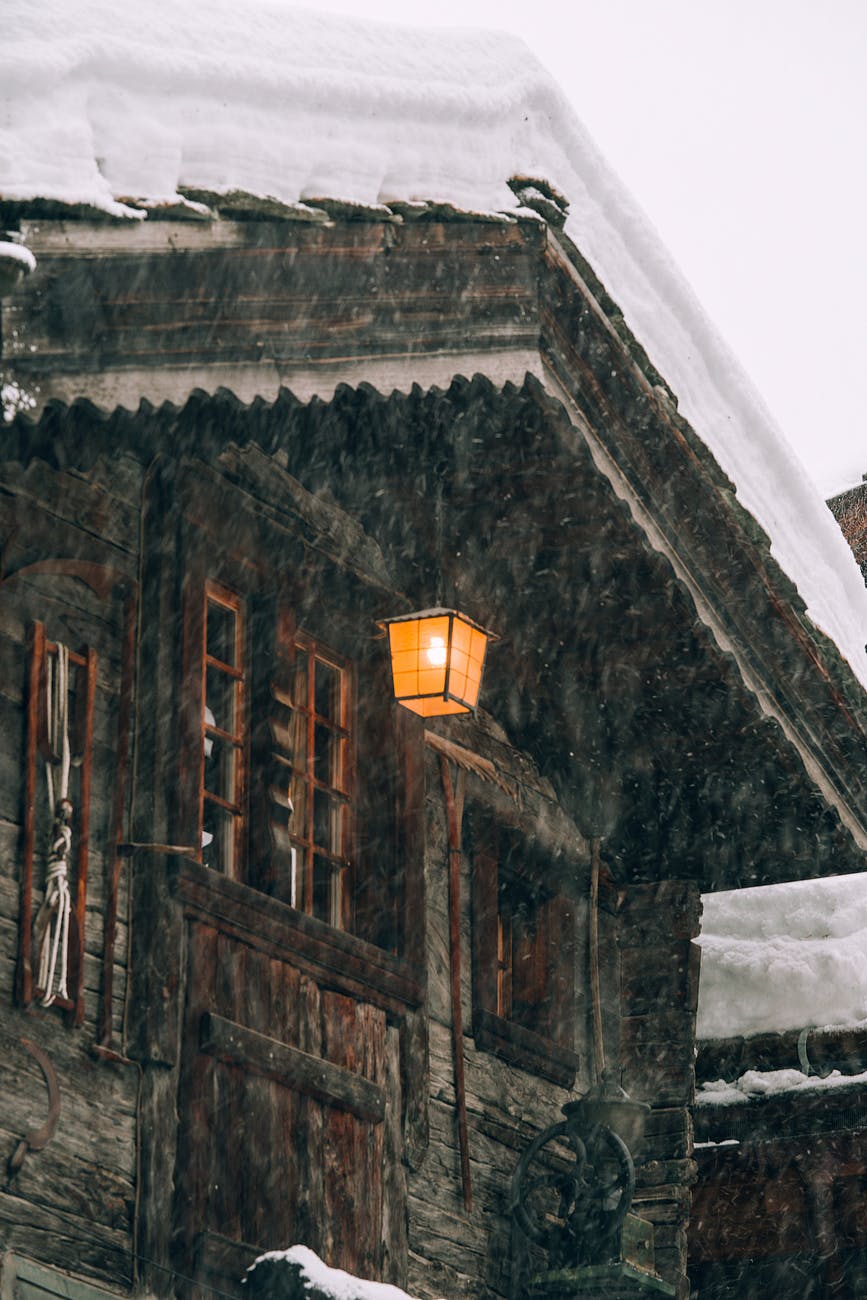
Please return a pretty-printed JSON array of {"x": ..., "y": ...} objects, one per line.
[{"x": 576, "y": 1213}]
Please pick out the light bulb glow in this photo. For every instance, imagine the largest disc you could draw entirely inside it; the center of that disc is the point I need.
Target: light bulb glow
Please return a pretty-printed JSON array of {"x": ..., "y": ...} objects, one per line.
[{"x": 436, "y": 652}]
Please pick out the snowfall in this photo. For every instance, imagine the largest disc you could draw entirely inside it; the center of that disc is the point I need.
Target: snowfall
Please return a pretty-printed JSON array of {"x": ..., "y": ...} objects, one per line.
[{"x": 121, "y": 107}]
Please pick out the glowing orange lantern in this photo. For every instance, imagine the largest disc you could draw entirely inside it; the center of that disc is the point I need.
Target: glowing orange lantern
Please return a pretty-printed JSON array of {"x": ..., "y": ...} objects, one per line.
[{"x": 437, "y": 660}]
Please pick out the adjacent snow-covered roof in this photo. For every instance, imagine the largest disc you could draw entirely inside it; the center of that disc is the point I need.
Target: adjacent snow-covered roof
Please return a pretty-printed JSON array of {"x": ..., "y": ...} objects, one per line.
[
  {"x": 108, "y": 104},
  {"x": 784, "y": 957}
]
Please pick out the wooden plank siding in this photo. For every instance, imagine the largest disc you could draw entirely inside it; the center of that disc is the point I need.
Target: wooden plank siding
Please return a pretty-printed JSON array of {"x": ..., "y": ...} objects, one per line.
[
  {"x": 70, "y": 1204},
  {"x": 235, "y": 1158},
  {"x": 247, "y": 1018},
  {"x": 279, "y": 292},
  {"x": 260, "y": 1054}
]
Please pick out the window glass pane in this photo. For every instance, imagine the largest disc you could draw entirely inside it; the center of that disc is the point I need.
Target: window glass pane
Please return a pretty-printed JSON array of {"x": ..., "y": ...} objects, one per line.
[
  {"x": 297, "y": 739},
  {"x": 327, "y": 814},
  {"x": 298, "y": 818},
  {"x": 327, "y": 746},
  {"x": 221, "y": 694},
  {"x": 221, "y": 759},
  {"x": 288, "y": 885},
  {"x": 504, "y": 965},
  {"x": 218, "y": 839},
  {"x": 326, "y": 891},
  {"x": 296, "y": 884},
  {"x": 299, "y": 690},
  {"x": 327, "y": 691},
  {"x": 523, "y": 969},
  {"x": 221, "y": 633}
]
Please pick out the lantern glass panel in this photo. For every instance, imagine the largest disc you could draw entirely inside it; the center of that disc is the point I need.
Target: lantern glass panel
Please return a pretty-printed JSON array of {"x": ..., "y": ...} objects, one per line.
[{"x": 437, "y": 660}]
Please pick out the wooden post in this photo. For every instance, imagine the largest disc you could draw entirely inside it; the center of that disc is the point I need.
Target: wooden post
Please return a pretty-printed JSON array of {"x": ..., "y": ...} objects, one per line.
[
  {"x": 36, "y": 657},
  {"x": 454, "y": 811},
  {"x": 124, "y": 727}
]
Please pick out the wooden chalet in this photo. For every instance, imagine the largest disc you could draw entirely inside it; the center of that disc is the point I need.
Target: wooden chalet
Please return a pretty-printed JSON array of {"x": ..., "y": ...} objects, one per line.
[{"x": 331, "y": 966}]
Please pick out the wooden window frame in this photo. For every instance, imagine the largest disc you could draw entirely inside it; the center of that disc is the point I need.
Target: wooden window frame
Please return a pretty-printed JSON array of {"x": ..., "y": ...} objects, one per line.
[
  {"x": 264, "y": 767},
  {"x": 216, "y": 593},
  {"x": 302, "y": 838},
  {"x": 494, "y": 1029}
]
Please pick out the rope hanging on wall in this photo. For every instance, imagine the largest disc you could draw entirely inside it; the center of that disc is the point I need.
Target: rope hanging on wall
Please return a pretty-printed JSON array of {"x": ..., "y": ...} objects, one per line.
[{"x": 52, "y": 921}]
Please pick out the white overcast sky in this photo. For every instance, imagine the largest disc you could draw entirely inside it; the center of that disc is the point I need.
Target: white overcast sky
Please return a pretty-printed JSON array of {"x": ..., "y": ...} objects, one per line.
[{"x": 739, "y": 125}]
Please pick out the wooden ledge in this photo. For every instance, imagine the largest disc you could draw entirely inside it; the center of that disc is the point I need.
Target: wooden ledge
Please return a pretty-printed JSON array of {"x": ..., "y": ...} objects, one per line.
[{"x": 522, "y": 1047}]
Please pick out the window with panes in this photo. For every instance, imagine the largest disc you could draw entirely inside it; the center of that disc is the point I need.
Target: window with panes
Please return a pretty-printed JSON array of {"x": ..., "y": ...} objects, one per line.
[
  {"x": 281, "y": 804},
  {"x": 313, "y": 749},
  {"x": 523, "y": 954},
  {"x": 224, "y": 689},
  {"x": 310, "y": 804}
]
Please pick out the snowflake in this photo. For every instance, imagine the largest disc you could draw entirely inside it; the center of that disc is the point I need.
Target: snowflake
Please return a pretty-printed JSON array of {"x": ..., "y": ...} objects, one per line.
[{"x": 14, "y": 399}]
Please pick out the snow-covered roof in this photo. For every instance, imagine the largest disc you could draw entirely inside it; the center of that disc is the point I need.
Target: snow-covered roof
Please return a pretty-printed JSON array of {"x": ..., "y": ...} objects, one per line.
[
  {"x": 784, "y": 957},
  {"x": 108, "y": 104}
]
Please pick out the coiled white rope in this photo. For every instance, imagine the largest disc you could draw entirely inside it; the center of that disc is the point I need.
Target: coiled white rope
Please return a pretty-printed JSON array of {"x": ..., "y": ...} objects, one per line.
[{"x": 53, "y": 917}]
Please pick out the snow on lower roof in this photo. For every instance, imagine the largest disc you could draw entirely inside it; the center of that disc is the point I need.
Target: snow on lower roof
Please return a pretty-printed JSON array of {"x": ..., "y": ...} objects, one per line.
[
  {"x": 771, "y": 1083},
  {"x": 105, "y": 102},
  {"x": 784, "y": 957}
]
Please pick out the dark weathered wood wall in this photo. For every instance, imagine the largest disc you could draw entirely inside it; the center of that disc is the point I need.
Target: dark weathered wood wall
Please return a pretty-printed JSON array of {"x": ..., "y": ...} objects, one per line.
[
  {"x": 453, "y": 1252},
  {"x": 70, "y": 1204},
  {"x": 508, "y": 456},
  {"x": 360, "y": 1160},
  {"x": 779, "y": 1206}
]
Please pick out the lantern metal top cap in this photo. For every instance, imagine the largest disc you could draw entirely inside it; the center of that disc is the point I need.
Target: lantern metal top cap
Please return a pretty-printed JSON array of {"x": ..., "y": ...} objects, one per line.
[{"x": 438, "y": 611}]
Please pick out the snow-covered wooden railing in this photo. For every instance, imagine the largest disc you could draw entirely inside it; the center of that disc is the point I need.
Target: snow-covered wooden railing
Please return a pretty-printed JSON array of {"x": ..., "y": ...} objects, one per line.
[{"x": 299, "y": 1274}]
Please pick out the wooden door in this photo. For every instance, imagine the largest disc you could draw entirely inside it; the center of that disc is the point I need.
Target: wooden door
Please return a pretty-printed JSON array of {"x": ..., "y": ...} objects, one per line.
[{"x": 285, "y": 1088}]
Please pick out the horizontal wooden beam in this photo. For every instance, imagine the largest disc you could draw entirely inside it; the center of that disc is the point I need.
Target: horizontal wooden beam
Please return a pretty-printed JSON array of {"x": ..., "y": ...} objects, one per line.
[
  {"x": 298, "y": 1070},
  {"x": 520, "y": 1046},
  {"x": 358, "y": 968}
]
